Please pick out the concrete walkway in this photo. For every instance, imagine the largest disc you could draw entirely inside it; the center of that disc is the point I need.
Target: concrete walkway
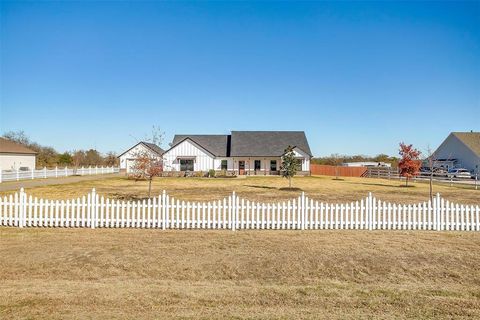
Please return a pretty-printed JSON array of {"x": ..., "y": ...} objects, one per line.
[{"x": 16, "y": 185}]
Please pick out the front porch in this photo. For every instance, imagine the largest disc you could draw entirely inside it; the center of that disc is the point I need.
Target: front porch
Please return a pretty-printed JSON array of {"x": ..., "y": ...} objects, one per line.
[{"x": 264, "y": 166}]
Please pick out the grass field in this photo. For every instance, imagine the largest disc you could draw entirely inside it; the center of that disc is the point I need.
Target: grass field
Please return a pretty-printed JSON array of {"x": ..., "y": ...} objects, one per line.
[
  {"x": 264, "y": 189},
  {"x": 105, "y": 274},
  {"x": 146, "y": 274}
]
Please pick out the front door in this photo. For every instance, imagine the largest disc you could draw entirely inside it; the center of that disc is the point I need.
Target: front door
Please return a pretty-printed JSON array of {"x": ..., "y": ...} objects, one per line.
[
  {"x": 258, "y": 165},
  {"x": 241, "y": 167}
]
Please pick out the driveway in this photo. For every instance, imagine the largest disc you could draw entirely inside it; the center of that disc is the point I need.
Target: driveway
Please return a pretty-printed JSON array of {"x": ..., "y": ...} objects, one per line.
[{"x": 16, "y": 185}]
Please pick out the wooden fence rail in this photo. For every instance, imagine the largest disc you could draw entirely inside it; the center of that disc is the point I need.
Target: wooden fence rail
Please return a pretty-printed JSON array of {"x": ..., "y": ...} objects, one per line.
[{"x": 234, "y": 213}]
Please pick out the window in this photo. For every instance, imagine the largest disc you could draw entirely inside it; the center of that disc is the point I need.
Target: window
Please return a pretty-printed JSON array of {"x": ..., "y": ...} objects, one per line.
[
  {"x": 273, "y": 165},
  {"x": 299, "y": 164},
  {"x": 224, "y": 165},
  {"x": 186, "y": 165},
  {"x": 258, "y": 164}
]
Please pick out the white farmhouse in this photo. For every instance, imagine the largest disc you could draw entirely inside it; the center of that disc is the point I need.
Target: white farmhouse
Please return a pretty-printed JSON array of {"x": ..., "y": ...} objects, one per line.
[
  {"x": 127, "y": 159},
  {"x": 14, "y": 156},
  {"x": 459, "y": 150},
  {"x": 241, "y": 152}
]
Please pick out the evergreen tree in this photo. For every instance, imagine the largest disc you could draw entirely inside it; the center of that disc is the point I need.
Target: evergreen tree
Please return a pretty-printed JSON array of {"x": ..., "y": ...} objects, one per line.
[{"x": 288, "y": 169}]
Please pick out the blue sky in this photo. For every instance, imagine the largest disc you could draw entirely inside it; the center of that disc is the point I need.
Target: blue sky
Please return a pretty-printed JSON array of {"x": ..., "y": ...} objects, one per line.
[{"x": 357, "y": 77}]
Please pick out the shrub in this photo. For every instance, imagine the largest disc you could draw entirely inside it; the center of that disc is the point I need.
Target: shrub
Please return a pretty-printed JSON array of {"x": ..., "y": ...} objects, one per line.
[{"x": 211, "y": 173}]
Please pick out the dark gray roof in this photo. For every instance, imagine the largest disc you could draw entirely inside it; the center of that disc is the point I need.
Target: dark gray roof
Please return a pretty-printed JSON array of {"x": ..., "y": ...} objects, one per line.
[
  {"x": 216, "y": 144},
  {"x": 154, "y": 147},
  {"x": 267, "y": 143},
  {"x": 149, "y": 145}
]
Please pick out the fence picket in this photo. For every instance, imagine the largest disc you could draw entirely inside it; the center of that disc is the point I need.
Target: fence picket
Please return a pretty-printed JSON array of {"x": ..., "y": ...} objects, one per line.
[{"x": 232, "y": 213}]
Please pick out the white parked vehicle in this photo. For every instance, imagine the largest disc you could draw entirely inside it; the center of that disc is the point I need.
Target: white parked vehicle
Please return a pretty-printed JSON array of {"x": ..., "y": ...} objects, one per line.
[{"x": 459, "y": 173}]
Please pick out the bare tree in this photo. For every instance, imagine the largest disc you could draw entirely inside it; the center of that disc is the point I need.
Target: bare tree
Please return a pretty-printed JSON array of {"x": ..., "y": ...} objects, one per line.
[
  {"x": 146, "y": 166},
  {"x": 337, "y": 159},
  {"x": 156, "y": 136},
  {"x": 431, "y": 161},
  {"x": 78, "y": 157},
  {"x": 111, "y": 159},
  {"x": 18, "y": 137}
]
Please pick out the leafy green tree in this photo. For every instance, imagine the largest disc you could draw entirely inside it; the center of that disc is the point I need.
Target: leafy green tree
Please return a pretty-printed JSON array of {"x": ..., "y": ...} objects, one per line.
[
  {"x": 65, "y": 159},
  {"x": 288, "y": 169}
]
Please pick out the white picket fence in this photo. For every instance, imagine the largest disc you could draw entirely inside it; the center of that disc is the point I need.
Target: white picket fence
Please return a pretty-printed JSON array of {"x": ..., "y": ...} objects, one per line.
[
  {"x": 16, "y": 175},
  {"x": 234, "y": 213}
]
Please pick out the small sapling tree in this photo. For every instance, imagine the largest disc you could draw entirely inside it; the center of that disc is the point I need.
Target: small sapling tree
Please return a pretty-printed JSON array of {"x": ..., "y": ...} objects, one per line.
[
  {"x": 147, "y": 166},
  {"x": 288, "y": 169},
  {"x": 409, "y": 164},
  {"x": 336, "y": 160}
]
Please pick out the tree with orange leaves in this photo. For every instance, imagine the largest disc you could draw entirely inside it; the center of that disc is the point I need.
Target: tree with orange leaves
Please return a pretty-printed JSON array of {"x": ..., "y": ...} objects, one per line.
[
  {"x": 410, "y": 162},
  {"x": 147, "y": 166}
]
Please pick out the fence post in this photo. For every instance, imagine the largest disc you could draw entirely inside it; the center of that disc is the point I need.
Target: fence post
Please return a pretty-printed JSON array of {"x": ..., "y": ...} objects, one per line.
[
  {"x": 439, "y": 212},
  {"x": 234, "y": 212},
  {"x": 369, "y": 203},
  {"x": 56, "y": 172},
  {"x": 33, "y": 173},
  {"x": 1, "y": 173},
  {"x": 45, "y": 172},
  {"x": 163, "y": 209},
  {"x": 303, "y": 210},
  {"x": 18, "y": 174},
  {"x": 93, "y": 209},
  {"x": 66, "y": 171},
  {"x": 21, "y": 209},
  {"x": 89, "y": 170},
  {"x": 96, "y": 169}
]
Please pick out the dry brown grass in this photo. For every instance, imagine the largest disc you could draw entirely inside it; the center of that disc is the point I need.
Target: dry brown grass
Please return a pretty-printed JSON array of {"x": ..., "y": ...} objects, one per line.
[
  {"x": 104, "y": 274},
  {"x": 259, "y": 189}
]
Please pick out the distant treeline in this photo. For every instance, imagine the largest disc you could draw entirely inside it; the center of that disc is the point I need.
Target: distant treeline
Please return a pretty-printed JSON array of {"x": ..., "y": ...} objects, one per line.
[
  {"x": 49, "y": 157},
  {"x": 337, "y": 159}
]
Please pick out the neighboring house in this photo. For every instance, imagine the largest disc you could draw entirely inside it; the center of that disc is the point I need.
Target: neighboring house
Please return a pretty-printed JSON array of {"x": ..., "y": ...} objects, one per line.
[
  {"x": 459, "y": 150},
  {"x": 241, "y": 152},
  {"x": 367, "y": 164},
  {"x": 127, "y": 159},
  {"x": 14, "y": 156}
]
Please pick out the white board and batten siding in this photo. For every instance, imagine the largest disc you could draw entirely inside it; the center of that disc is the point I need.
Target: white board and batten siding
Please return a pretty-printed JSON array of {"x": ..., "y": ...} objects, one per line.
[
  {"x": 127, "y": 159},
  {"x": 305, "y": 158},
  {"x": 203, "y": 160},
  {"x": 217, "y": 163}
]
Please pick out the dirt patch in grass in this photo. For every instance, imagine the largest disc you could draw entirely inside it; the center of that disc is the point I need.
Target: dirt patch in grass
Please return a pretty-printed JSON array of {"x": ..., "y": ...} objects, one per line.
[
  {"x": 290, "y": 189},
  {"x": 104, "y": 274}
]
